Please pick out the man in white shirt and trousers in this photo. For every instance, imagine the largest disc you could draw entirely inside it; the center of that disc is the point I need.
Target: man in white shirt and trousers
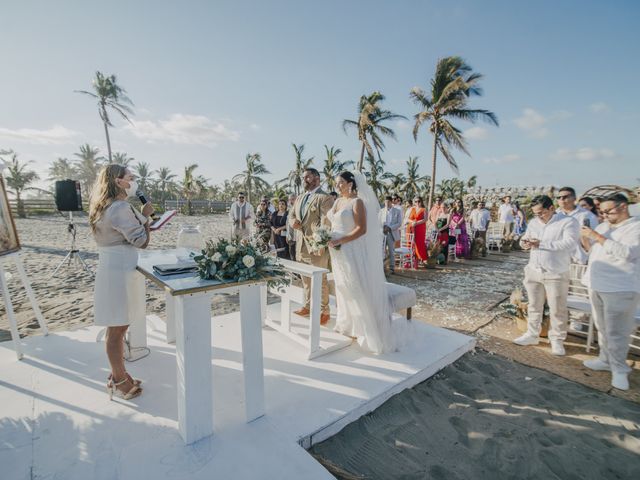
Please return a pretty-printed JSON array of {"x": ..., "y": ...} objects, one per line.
[
  {"x": 506, "y": 215},
  {"x": 480, "y": 219},
  {"x": 613, "y": 278},
  {"x": 391, "y": 221},
  {"x": 552, "y": 238},
  {"x": 240, "y": 214}
]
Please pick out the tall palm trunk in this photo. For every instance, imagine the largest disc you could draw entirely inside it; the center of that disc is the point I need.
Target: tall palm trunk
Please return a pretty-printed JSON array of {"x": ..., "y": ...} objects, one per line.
[
  {"x": 20, "y": 206},
  {"x": 361, "y": 162},
  {"x": 106, "y": 132},
  {"x": 432, "y": 188}
]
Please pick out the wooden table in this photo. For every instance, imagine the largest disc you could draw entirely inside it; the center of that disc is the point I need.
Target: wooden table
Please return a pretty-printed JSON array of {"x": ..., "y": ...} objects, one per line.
[{"x": 189, "y": 309}]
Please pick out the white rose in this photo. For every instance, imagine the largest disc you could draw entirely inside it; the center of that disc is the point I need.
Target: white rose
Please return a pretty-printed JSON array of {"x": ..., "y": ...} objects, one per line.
[
  {"x": 231, "y": 250},
  {"x": 248, "y": 261},
  {"x": 317, "y": 237},
  {"x": 216, "y": 257}
]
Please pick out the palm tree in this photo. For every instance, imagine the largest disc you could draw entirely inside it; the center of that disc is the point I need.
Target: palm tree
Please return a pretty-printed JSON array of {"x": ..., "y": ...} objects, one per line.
[
  {"x": 395, "y": 182},
  {"x": 333, "y": 166},
  {"x": 375, "y": 175},
  {"x": 88, "y": 166},
  {"x": 19, "y": 179},
  {"x": 144, "y": 175},
  {"x": 294, "y": 179},
  {"x": 452, "y": 85},
  {"x": 122, "y": 158},
  {"x": 413, "y": 179},
  {"x": 165, "y": 183},
  {"x": 191, "y": 185},
  {"x": 109, "y": 94},
  {"x": 250, "y": 176},
  {"x": 61, "y": 169},
  {"x": 369, "y": 125}
]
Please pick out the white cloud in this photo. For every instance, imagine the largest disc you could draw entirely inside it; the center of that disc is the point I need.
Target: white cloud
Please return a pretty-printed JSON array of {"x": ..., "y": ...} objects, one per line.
[
  {"x": 511, "y": 157},
  {"x": 599, "y": 107},
  {"x": 536, "y": 125},
  {"x": 56, "y": 135},
  {"x": 584, "y": 154},
  {"x": 476, "y": 133},
  {"x": 255, "y": 127},
  {"x": 184, "y": 129},
  {"x": 402, "y": 124}
]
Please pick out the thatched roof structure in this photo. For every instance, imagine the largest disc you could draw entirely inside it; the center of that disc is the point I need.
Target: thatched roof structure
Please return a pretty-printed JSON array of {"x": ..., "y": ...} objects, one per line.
[{"x": 604, "y": 190}]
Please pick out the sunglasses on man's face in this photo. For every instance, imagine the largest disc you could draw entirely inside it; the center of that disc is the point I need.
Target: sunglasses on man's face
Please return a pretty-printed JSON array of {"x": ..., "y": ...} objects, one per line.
[
  {"x": 610, "y": 211},
  {"x": 564, "y": 197}
]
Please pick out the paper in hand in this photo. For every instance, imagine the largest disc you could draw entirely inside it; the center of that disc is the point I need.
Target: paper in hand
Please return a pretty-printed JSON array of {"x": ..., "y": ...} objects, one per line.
[{"x": 166, "y": 216}]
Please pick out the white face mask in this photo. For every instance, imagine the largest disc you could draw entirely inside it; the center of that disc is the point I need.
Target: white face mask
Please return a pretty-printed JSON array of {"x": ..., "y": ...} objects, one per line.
[{"x": 132, "y": 189}]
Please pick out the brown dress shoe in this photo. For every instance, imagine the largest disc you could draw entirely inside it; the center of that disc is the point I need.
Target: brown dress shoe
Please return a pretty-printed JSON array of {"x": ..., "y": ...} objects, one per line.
[
  {"x": 303, "y": 312},
  {"x": 324, "y": 318}
]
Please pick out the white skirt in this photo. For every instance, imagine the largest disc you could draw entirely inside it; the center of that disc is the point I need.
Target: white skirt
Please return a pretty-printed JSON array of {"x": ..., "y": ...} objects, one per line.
[{"x": 116, "y": 286}]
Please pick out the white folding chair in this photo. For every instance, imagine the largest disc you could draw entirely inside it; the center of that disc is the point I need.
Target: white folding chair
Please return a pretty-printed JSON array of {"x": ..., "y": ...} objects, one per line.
[
  {"x": 404, "y": 254},
  {"x": 578, "y": 302},
  {"x": 495, "y": 236}
]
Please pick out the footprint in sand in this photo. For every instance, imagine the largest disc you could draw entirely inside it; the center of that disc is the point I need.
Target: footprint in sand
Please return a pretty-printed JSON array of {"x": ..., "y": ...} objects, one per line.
[{"x": 461, "y": 426}]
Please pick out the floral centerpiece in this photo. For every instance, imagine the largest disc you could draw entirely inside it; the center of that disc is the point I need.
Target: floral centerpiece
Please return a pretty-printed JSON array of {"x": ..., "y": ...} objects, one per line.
[
  {"x": 239, "y": 261},
  {"x": 319, "y": 240}
]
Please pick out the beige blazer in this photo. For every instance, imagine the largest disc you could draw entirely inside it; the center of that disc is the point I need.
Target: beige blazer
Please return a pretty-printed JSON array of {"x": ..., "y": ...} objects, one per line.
[{"x": 314, "y": 215}]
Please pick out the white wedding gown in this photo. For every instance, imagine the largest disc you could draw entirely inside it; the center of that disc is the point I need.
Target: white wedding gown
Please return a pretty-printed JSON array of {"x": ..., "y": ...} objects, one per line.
[{"x": 362, "y": 301}]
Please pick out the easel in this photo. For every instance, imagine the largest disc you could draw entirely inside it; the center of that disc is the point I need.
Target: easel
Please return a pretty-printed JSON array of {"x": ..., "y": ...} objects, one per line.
[{"x": 9, "y": 305}]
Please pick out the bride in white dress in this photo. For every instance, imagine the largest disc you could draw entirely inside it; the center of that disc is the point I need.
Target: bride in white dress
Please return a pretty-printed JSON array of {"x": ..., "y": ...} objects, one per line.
[{"x": 356, "y": 253}]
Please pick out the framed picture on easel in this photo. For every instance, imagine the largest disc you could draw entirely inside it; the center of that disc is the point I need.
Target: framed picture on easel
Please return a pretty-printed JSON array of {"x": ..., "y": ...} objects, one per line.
[{"x": 9, "y": 241}]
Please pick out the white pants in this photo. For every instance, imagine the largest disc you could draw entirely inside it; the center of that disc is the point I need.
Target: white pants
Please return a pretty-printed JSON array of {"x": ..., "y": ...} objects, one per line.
[
  {"x": 614, "y": 316},
  {"x": 554, "y": 288}
]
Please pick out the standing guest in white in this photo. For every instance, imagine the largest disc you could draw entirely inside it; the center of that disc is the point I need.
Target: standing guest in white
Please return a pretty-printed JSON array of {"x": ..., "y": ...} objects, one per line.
[
  {"x": 567, "y": 205},
  {"x": 240, "y": 213},
  {"x": 552, "y": 238},
  {"x": 391, "y": 221},
  {"x": 119, "y": 231},
  {"x": 613, "y": 278},
  {"x": 479, "y": 220},
  {"x": 364, "y": 311},
  {"x": 506, "y": 215}
]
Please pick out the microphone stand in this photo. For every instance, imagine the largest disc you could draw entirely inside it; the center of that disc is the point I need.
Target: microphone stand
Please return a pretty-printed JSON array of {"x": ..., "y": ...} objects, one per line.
[{"x": 73, "y": 253}]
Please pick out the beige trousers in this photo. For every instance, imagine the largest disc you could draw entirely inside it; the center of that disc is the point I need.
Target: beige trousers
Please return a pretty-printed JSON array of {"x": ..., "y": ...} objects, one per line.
[
  {"x": 321, "y": 261},
  {"x": 614, "y": 317},
  {"x": 554, "y": 289}
]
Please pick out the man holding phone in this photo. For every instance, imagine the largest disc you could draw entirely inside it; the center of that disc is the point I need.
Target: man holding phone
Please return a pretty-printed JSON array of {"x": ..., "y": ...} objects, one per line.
[
  {"x": 567, "y": 205},
  {"x": 551, "y": 237}
]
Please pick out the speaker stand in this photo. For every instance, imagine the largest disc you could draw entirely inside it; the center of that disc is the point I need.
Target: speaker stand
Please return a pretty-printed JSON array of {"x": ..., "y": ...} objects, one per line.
[{"x": 73, "y": 253}]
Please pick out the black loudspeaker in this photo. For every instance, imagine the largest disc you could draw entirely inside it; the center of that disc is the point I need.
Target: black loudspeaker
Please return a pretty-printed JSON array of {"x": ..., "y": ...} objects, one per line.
[{"x": 68, "y": 196}]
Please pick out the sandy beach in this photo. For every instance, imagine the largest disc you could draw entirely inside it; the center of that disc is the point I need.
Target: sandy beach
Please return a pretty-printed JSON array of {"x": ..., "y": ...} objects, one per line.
[{"x": 502, "y": 412}]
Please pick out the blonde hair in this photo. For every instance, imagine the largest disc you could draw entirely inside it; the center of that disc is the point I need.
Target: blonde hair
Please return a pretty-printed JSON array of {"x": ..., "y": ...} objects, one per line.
[{"x": 105, "y": 190}]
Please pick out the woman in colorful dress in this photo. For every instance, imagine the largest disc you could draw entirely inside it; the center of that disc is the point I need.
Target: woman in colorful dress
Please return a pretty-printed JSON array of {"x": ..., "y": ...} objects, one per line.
[
  {"x": 458, "y": 228},
  {"x": 417, "y": 224},
  {"x": 263, "y": 225}
]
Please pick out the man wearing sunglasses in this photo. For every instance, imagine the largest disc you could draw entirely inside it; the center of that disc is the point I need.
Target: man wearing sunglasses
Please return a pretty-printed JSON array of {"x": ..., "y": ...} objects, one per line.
[
  {"x": 240, "y": 213},
  {"x": 613, "y": 278},
  {"x": 566, "y": 199},
  {"x": 551, "y": 237}
]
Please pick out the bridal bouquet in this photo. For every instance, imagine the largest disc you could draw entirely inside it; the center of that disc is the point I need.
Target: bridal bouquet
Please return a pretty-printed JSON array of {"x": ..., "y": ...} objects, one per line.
[
  {"x": 238, "y": 261},
  {"x": 319, "y": 240}
]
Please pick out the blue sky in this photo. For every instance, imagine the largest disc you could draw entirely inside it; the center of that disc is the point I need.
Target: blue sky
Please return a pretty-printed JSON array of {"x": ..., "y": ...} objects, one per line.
[{"x": 213, "y": 81}]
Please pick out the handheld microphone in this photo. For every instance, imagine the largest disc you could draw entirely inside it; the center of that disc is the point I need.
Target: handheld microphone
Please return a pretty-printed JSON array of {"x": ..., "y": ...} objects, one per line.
[{"x": 143, "y": 200}]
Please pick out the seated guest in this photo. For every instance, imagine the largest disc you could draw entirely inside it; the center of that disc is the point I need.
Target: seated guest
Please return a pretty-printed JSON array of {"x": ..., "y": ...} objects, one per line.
[
  {"x": 567, "y": 205},
  {"x": 552, "y": 238},
  {"x": 119, "y": 231},
  {"x": 279, "y": 229},
  {"x": 613, "y": 278}
]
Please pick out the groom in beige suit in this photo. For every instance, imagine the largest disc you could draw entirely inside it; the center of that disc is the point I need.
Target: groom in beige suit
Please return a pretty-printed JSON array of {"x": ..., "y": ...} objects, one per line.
[{"x": 309, "y": 212}]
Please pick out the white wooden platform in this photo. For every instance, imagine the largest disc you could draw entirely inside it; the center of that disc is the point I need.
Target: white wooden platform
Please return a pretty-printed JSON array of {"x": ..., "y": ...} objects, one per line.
[{"x": 56, "y": 420}]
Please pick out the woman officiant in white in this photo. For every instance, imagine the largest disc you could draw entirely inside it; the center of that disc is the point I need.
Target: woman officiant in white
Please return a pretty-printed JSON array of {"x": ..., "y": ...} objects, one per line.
[{"x": 119, "y": 231}]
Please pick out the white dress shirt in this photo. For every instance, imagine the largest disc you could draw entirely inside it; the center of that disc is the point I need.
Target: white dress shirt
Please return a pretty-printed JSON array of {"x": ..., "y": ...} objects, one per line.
[
  {"x": 505, "y": 213},
  {"x": 558, "y": 240},
  {"x": 480, "y": 219},
  {"x": 614, "y": 266},
  {"x": 580, "y": 214}
]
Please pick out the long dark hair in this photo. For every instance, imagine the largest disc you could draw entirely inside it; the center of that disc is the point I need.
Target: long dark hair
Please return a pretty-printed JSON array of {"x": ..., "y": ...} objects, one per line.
[
  {"x": 592, "y": 205},
  {"x": 349, "y": 178}
]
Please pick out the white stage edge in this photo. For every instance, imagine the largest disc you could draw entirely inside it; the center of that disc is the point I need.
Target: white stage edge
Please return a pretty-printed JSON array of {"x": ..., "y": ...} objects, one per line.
[{"x": 57, "y": 422}]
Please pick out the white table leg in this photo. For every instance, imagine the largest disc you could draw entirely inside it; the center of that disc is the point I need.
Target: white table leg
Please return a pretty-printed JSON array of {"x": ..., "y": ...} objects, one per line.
[
  {"x": 15, "y": 336},
  {"x": 252, "y": 362},
  {"x": 31, "y": 295},
  {"x": 138, "y": 312},
  {"x": 316, "y": 308},
  {"x": 170, "y": 312},
  {"x": 263, "y": 303},
  {"x": 285, "y": 310},
  {"x": 193, "y": 355}
]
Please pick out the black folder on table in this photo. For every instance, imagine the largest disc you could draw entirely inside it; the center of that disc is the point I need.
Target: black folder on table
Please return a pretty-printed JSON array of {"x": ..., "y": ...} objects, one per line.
[{"x": 175, "y": 268}]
